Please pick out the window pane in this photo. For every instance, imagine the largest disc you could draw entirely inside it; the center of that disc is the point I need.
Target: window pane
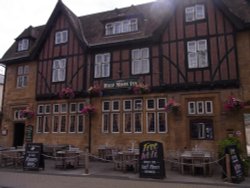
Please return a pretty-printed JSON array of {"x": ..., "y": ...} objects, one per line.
[
  {"x": 72, "y": 124},
  {"x": 115, "y": 123},
  {"x": 189, "y": 14},
  {"x": 46, "y": 124},
  {"x": 192, "y": 60},
  {"x": 106, "y": 106},
  {"x": 128, "y": 122},
  {"x": 80, "y": 123},
  {"x": 116, "y": 105},
  {"x": 162, "y": 122},
  {"x": 151, "y": 122},
  {"x": 191, "y": 107},
  {"x": 201, "y": 129},
  {"x": 105, "y": 123},
  {"x": 150, "y": 104},
  {"x": 137, "y": 104},
  {"x": 55, "y": 124},
  {"x": 138, "y": 122},
  {"x": 199, "y": 12},
  {"x": 200, "y": 107},
  {"x": 161, "y": 103},
  {"x": 63, "y": 124},
  {"x": 127, "y": 105}
]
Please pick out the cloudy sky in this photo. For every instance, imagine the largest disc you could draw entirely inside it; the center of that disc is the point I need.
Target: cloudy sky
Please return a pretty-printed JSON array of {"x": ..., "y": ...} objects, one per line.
[{"x": 16, "y": 15}]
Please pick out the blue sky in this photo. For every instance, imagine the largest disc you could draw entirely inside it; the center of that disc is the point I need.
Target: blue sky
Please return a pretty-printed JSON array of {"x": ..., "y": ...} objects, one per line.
[{"x": 16, "y": 15}]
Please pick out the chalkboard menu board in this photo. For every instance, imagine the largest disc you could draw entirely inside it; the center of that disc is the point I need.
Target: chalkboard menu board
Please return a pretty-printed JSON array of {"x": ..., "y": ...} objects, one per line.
[
  {"x": 33, "y": 159},
  {"x": 237, "y": 174},
  {"x": 29, "y": 134},
  {"x": 151, "y": 160}
]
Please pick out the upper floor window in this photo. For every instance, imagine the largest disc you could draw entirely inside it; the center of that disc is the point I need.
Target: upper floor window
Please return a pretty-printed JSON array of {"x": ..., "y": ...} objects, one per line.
[
  {"x": 193, "y": 13},
  {"x": 200, "y": 107},
  {"x": 123, "y": 26},
  {"x": 22, "y": 76},
  {"x": 23, "y": 44},
  {"x": 59, "y": 70},
  {"x": 102, "y": 65},
  {"x": 140, "y": 61},
  {"x": 197, "y": 54},
  {"x": 61, "y": 37}
]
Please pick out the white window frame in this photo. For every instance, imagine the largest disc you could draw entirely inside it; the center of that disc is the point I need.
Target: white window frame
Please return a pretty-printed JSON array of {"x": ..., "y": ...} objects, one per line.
[
  {"x": 191, "y": 111},
  {"x": 78, "y": 123},
  {"x": 61, "y": 37},
  {"x": 130, "y": 103},
  {"x": 73, "y": 111},
  {"x": 112, "y": 122},
  {"x": 102, "y": 65},
  {"x": 59, "y": 70},
  {"x": 22, "y": 76},
  {"x": 23, "y": 45},
  {"x": 158, "y": 122},
  {"x": 147, "y": 104},
  {"x": 194, "y": 13},
  {"x": 54, "y": 109},
  {"x": 64, "y": 108},
  {"x": 53, "y": 124},
  {"x": 141, "y": 122},
  {"x": 46, "y": 119},
  {"x": 39, "y": 124},
  {"x": 103, "y": 123},
  {"x": 123, "y": 26},
  {"x": 140, "y": 61},
  {"x": 211, "y": 107},
  {"x": 113, "y": 105},
  {"x": 197, "y": 54},
  {"x": 138, "y": 104},
  {"x": 47, "y": 109},
  {"x": 125, "y": 119},
  {"x": 40, "y": 109},
  {"x": 147, "y": 122},
  {"x": 198, "y": 105},
  {"x": 75, "y": 123},
  {"x": 103, "y": 105},
  {"x": 80, "y": 106},
  {"x": 60, "y": 124},
  {"x": 158, "y": 103}
]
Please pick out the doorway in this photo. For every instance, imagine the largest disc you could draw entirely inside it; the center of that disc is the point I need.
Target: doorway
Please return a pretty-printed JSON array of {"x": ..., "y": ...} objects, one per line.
[{"x": 18, "y": 134}]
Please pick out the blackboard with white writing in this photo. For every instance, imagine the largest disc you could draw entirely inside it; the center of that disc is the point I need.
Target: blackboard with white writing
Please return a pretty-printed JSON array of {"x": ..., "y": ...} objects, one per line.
[
  {"x": 151, "y": 160},
  {"x": 235, "y": 163},
  {"x": 33, "y": 159}
]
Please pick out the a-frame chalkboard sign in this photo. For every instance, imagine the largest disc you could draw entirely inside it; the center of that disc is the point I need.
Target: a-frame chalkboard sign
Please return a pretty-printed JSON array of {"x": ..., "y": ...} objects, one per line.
[
  {"x": 151, "y": 164},
  {"x": 33, "y": 159}
]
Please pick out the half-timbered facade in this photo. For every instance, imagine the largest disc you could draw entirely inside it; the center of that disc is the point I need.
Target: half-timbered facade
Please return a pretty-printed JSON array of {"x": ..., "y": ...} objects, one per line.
[{"x": 129, "y": 64}]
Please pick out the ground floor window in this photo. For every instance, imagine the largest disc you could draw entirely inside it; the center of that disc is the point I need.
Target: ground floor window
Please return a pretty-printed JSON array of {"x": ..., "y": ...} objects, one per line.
[
  {"x": 131, "y": 115},
  {"x": 60, "y": 119},
  {"x": 201, "y": 129}
]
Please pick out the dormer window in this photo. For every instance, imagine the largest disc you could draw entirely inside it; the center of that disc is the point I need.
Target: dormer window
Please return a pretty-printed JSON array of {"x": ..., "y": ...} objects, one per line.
[
  {"x": 23, "y": 44},
  {"x": 61, "y": 37},
  {"x": 193, "y": 13},
  {"x": 124, "y": 26}
]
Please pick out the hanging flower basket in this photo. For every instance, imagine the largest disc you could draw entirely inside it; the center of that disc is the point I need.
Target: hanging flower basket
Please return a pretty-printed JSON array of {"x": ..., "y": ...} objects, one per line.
[
  {"x": 140, "y": 88},
  {"x": 67, "y": 93},
  {"x": 233, "y": 104},
  {"x": 27, "y": 113},
  {"x": 95, "y": 90},
  {"x": 88, "y": 109},
  {"x": 172, "y": 106}
]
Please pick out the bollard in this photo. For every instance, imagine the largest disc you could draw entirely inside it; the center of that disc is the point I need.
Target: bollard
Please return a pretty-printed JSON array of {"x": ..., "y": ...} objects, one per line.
[
  {"x": 228, "y": 168},
  {"x": 86, "y": 161}
]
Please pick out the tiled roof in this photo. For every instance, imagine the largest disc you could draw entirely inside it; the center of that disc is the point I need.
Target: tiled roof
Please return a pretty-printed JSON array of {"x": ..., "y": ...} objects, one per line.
[{"x": 90, "y": 31}]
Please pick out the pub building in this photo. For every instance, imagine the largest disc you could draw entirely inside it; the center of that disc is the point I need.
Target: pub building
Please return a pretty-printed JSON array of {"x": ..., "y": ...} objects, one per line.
[{"x": 175, "y": 72}]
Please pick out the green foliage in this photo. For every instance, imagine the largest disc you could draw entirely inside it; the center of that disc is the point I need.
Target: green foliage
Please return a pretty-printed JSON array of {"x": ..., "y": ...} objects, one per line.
[{"x": 229, "y": 141}]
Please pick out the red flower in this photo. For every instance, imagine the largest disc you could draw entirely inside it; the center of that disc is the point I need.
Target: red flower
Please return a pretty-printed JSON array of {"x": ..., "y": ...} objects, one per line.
[
  {"x": 140, "y": 88},
  {"x": 27, "y": 113},
  {"x": 232, "y": 103},
  {"x": 67, "y": 93},
  {"x": 172, "y": 106},
  {"x": 88, "y": 108},
  {"x": 95, "y": 90}
]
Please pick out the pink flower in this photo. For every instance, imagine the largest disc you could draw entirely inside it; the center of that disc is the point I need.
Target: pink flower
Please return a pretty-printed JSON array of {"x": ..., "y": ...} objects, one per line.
[
  {"x": 67, "y": 93},
  {"x": 88, "y": 108},
  {"x": 140, "y": 88},
  {"x": 232, "y": 103},
  {"x": 95, "y": 90},
  {"x": 27, "y": 113},
  {"x": 172, "y": 106}
]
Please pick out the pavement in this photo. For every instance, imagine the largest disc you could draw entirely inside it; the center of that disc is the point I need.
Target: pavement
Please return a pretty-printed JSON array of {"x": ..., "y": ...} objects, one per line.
[{"x": 105, "y": 170}]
